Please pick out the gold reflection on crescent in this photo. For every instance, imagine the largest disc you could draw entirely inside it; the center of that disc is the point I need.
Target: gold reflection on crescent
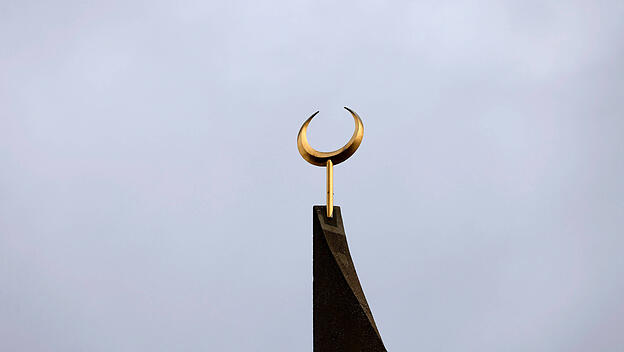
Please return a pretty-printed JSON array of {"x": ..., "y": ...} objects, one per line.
[{"x": 336, "y": 157}]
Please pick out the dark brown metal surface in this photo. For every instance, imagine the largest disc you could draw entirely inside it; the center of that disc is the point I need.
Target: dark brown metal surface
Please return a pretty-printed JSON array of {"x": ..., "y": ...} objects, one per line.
[{"x": 342, "y": 319}]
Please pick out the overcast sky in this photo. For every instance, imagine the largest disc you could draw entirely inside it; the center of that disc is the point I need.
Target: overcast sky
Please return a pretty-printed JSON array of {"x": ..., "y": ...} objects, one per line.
[{"x": 152, "y": 197}]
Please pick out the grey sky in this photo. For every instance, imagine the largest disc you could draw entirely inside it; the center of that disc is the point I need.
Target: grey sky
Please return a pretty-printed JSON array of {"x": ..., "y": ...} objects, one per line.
[{"x": 152, "y": 197}]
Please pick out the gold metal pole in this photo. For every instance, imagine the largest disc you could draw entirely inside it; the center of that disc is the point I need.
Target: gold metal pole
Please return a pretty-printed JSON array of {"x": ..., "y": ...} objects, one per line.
[{"x": 330, "y": 188}]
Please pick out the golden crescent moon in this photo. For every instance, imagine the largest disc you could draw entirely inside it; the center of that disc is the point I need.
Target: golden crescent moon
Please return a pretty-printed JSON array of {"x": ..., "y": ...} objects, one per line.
[{"x": 336, "y": 157}]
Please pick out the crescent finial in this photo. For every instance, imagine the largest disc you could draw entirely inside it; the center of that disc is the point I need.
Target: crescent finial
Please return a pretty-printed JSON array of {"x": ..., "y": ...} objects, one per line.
[{"x": 317, "y": 158}]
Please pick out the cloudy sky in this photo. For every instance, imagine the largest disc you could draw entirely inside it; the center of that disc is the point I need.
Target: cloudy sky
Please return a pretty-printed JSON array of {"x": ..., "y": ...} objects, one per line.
[{"x": 152, "y": 197}]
